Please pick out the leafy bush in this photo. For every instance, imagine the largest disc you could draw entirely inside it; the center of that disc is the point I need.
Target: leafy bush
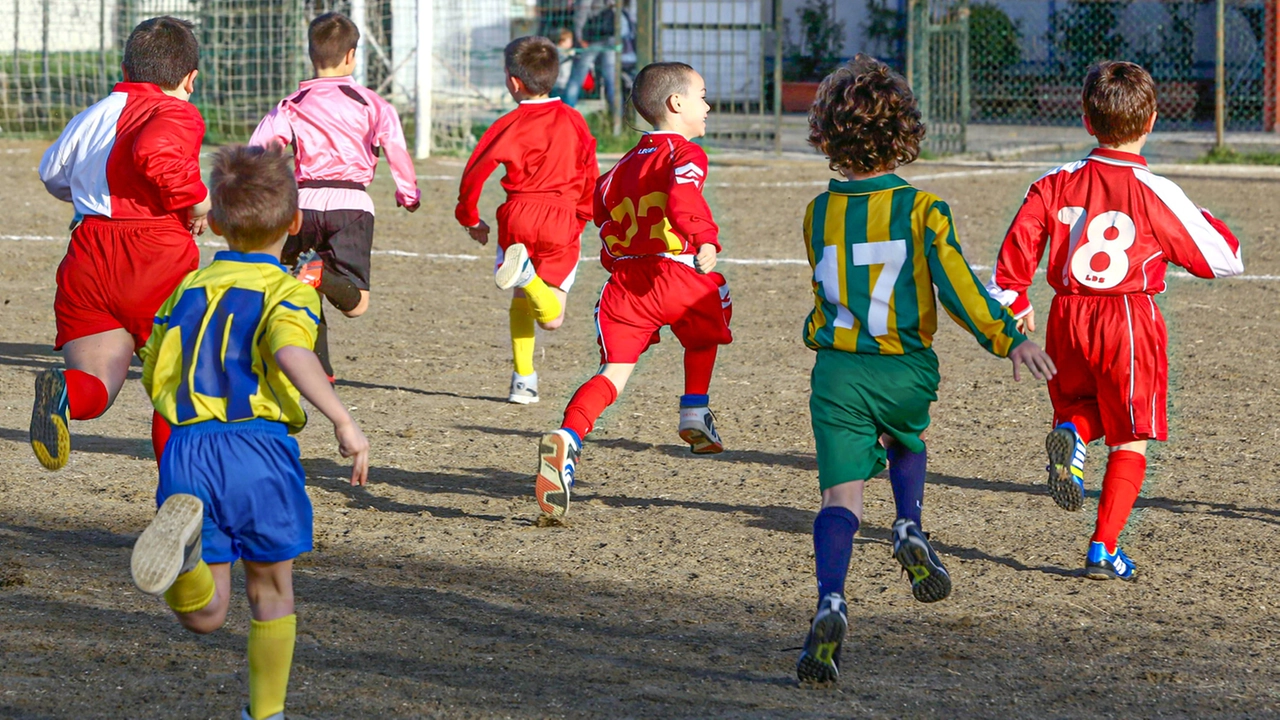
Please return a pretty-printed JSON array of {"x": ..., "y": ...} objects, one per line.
[{"x": 995, "y": 42}]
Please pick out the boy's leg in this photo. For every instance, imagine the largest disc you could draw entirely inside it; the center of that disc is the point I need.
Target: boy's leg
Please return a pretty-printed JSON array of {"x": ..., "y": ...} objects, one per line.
[
  {"x": 95, "y": 369},
  {"x": 1126, "y": 470},
  {"x": 697, "y": 423},
  {"x": 168, "y": 560},
  {"x": 558, "y": 451},
  {"x": 515, "y": 270},
  {"x": 907, "y": 475},
  {"x": 272, "y": 632}
]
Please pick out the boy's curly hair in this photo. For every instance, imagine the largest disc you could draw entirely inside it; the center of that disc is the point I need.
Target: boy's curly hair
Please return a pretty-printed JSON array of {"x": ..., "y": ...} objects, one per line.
[{"x": 865, "y": 118}]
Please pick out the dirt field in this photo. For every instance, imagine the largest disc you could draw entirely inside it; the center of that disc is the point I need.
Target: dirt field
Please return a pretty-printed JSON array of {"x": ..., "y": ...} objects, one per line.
[{"x": 683, "y": 586}]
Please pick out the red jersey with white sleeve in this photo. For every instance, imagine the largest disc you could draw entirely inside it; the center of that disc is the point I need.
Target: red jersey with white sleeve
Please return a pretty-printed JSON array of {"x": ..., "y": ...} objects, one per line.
[
  {"x": 1111, "y": 227},
  {"x": 651, "y": 202},
  {"x": 549, "y": 155},
  {"x": 134, "y": 155},
  {"x": 337, "y": 129}
]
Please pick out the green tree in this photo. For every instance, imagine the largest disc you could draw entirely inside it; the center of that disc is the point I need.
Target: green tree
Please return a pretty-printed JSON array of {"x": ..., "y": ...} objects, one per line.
[
  {"x": 1084, "y": 32},
  {"x": 995, "y": 42}
]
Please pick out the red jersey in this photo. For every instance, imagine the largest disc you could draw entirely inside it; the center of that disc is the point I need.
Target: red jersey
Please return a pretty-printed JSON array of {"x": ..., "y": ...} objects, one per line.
[
  {"x": 1112, "y": 227},
  {"x": 651, "y": 202},
  {"x": 134, "y": 155},
  {"x": 549, "y": 154}
]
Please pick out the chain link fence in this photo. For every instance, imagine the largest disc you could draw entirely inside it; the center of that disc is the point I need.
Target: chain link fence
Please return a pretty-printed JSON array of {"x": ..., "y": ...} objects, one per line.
[{"x": 1028, "y": 58}]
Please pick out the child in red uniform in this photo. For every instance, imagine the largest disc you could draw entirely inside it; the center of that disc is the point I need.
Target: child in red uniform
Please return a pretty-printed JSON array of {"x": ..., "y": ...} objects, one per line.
[
  {"x": 550, "y": 159},
  {"x": 660, "y": 245},
  {"x": 130, "y": 166},
  {"x": 1112, "y": 228}
]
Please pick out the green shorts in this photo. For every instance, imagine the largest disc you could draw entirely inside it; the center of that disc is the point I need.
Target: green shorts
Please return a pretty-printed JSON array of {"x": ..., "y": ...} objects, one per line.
[{"x": 858, "y": 397}]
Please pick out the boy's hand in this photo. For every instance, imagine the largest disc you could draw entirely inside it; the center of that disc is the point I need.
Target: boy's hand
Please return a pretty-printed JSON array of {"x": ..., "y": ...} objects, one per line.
[
  {"x": 353, "y": 444},
  {"x": 705, "y": 261},
  {"x": 1027, "y": 323},
  {"x": 198, "y": 217},
  {"x": 1036, "y": 360},
  {"x": 479, "y": 233}
]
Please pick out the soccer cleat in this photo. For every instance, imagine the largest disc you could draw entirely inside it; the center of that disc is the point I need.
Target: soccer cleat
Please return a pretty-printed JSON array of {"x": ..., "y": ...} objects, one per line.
[
  {"x": 524, "y": 389},
  {"x": 557, "y": 463},
  {"x": 309, "y": 269},
  {"x": 516, "y": 269},
  {"x": 50, "y": 420},
  {"x": 1102, "y": 565},
  {"x": 244, "y": 715},
  {"x": 929, "y": 580},
  {"x": 698, "y": 428},
  {"x": 1066, "y": 467},
  {"x": 170, "y": 545},
  {"x": 820, "y": 660}
]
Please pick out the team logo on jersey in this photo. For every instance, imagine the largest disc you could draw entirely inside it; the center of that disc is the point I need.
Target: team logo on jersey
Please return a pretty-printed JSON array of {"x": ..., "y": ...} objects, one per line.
[
  {"x": 646, "y": 151},
  {"x": 689, "y": 173}
]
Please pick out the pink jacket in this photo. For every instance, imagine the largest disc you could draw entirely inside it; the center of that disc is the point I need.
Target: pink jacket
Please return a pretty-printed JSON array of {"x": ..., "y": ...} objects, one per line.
[{"x": 337, "y": 128}]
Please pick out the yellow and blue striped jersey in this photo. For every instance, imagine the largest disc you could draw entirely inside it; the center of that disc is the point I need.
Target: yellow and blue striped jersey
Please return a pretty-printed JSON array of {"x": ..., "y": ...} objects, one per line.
[
  {"x": 211, "y": 355},
  {"x": 878, "y": 247}
]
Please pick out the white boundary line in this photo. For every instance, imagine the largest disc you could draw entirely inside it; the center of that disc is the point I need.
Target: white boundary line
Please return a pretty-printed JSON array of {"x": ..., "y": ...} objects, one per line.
[{"x": 460, "y": 257}]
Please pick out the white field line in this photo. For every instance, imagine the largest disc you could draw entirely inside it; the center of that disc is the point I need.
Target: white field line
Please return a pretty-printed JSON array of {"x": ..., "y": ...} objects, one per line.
[
  {"x": 458, "y": 257},
  {"x": 914, "y": 178}
]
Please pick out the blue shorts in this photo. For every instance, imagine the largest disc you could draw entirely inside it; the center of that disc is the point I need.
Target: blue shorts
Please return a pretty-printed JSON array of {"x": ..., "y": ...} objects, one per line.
[{"x": 251, "y": 482}]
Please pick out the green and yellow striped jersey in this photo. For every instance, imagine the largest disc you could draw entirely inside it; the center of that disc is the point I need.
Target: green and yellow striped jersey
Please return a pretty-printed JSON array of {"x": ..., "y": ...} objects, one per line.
[{"x": 878, "y": 248}]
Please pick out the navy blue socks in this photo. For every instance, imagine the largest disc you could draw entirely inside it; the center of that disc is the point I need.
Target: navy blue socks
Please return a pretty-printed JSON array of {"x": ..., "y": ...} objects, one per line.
[
  {"x": 833, "y": 532},
  {"x": 906, "y": 475}
]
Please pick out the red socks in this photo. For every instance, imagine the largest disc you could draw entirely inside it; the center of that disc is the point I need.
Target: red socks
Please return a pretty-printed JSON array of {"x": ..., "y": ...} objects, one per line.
[
  {"x": 588, "y": 403},
  {"x": 86, "y": 395},
  {"x": 1120, "y": 486},
  {"x": 159, "y": 434},
  {"x": 698, "y": 365}
]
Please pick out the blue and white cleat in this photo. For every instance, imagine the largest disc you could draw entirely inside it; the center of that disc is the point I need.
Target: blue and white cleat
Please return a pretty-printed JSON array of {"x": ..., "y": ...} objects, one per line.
[
  {"x": 50, "y": 420},
  {"x": 557, "y": 464},
  {"x": 515, "y": 270},
  {"x": 1066, "y": 466},
  {"x": 819, "y": 663},
  {"x": 698, "y": 428},
  {"x": 930, "y": 581},
  {"x": 1102, "y": 565}
]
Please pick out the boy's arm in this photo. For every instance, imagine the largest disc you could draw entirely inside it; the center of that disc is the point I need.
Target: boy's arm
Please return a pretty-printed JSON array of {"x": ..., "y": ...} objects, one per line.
[
  {"x": 291, "y": 335},
  {"x": 391, "y": 140},
  {"x": 167, "y": 152},
  {"x": 1020, "y": 254},
  {"x": 1191, "y": 237},
  {"x": 687, "y": 209},
  {"x": 55, "y": 164},
  {"x": 590, "y": 169},
  {"x": 484, "y": 160},
  {"x": 962, "y": 295},
  {"x": 274, "y": 128}
]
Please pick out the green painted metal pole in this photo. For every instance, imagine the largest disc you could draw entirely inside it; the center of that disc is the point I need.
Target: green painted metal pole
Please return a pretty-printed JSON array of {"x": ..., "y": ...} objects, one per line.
[
  {"x": 1220, "y": 78},
  {"x": 963, "y": 118},
  {"x": 646, "y": 11},
  {"x": 920, "y": 56}
]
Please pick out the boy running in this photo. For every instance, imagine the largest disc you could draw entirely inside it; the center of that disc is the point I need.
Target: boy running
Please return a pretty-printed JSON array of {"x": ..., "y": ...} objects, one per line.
[
  {"x": 550, "y": 158},
  {"x": 659, "y": 245},
  {"x": 1111, "y": 228},
  {"x": 337, "y": 129},
  {"x": 878, "y": 247},
  {"x": 130, "y": 166},
  {"x": 229, "y": 356}
]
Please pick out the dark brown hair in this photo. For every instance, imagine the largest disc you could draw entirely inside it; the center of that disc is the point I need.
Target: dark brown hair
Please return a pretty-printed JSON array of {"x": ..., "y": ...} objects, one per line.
[
  {"x": 535, "y": 61},
  {"x": 865, "y": 118},
  {"x": 162, "y": 50},
  {"x": 329, "y": 39},
  {"x": 1118, "y": 99},
  {"x": 254, "y": 195},
  {"x": 657, "y": 82}
]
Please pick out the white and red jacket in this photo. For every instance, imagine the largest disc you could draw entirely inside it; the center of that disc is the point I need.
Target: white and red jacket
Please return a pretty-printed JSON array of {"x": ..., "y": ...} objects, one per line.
[
  {"x": 337, "y": 128},
  {"x": 1112, "y": 227},
  {"x": 134, "y": 155}
]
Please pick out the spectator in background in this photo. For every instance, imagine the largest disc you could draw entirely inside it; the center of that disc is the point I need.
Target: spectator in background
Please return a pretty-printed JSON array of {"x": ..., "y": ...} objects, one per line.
[
  {"x": 564, "y": 46},
  {"x": 593, "y": 29}
]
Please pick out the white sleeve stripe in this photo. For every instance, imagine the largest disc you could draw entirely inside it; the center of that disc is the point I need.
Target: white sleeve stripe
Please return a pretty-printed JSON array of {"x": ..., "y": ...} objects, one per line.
[{"x": 1213, "y": 247}]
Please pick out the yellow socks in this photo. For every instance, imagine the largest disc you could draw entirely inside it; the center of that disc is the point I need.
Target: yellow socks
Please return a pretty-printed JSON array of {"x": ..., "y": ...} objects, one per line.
[
  {"x": 546, "y": 306},
  {"x": 270, "y": 658},
  {"x": 522, "y": 334},
  {"x": 192, "y": 591}
]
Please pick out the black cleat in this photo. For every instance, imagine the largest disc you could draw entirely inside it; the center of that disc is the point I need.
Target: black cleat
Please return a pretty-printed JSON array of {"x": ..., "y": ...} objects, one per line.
[
  {"x": 819, "y": 664},
  {"x": 929, "y": 580}
]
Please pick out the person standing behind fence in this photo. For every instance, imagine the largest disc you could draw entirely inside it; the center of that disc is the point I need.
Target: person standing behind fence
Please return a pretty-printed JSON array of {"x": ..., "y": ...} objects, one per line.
[
  {"x": 130, "y": 165},
  {"x": 337, "y": 129},
  {"x": 593, "y": 28}
]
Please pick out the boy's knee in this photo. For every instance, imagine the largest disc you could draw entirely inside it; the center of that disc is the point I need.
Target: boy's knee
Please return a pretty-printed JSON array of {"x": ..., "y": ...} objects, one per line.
[
  {"x": 552, "y": 324},
  {"x": 204, "y": 621},
  {"x": 360, "y": 308}
]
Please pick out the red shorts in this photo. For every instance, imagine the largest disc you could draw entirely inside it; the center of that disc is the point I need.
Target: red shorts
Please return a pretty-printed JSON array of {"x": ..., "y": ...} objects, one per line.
[
  {"x": 117, "y": 274},
  {"x": 1113, "y": 371},
  {"x": 645, "y": 293},
  {"x": 551, "y": 233}
]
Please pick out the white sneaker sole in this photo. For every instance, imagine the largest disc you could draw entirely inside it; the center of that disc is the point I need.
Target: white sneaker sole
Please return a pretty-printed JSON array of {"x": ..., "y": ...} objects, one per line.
[
  {"x": 522, "y": 399},
  {"x": 159, "y": 553},
  {"x": 508, "y": 272}
]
